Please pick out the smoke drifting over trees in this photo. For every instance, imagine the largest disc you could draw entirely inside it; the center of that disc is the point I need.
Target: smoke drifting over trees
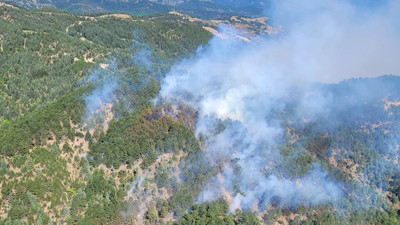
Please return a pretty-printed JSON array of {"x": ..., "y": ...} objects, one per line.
[{"x": 240, "y": 88}]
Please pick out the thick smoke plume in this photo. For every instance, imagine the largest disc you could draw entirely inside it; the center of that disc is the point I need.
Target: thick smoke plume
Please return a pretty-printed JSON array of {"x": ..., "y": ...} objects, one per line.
[
  {"x": 333, "y": 40},
  {"x": 243, "y": 86}
]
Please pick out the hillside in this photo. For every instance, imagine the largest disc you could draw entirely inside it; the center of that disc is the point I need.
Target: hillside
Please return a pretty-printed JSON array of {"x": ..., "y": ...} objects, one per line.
[
  {"x": 44, "y": 80},
  {"x": 204, "y": 9},
  {"x": 53, "y": 136},
  {"x": 100, "y": 124}
]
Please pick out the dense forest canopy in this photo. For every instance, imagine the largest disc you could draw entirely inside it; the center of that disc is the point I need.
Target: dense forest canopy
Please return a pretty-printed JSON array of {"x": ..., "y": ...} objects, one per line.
[{"x": 199, "y": 8}]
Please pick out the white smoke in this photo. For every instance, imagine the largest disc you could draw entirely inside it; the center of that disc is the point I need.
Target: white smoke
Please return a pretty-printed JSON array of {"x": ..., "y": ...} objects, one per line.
[
  {"x": 333, "y": 40},
  {"x": 235, "y": 81},
  {"x": 105, "y": 86}
]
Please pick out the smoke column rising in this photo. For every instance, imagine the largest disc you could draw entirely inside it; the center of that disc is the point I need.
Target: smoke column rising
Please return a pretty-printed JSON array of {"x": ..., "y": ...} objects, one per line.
[
  {"x": 243, "y": 84},
  {"x": 106, "y": 84}
]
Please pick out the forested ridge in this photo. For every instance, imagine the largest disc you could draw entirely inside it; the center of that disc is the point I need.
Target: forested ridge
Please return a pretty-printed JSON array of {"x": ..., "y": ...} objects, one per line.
[
  {"x": 67, "y": 157},
  {"x": 204, "y": 9},
  {"x": 47, "y": 57}
]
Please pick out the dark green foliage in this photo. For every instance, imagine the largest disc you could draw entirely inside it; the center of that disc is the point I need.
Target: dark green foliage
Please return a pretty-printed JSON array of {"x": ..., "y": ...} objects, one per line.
[
  {"x": 195, "y": 173},
  {"x": 66, "y": 148},
  {"x": 299, "y": 165},
  {"x": 139, "y": 135},
  {"x": 97, "y": 185},
  {"x": 152, "y": 215},
  {"x": 37, "y": 62},
  {"x": 216, "y": 213},
  {"x": 44, "y": 173},
  {"x": 163, "y": 38},
  {"x": 42, "y": 61},
  {"x": 149, "y": 159},
  {"x": 43, "y": 68},
  {"x": 161, "y": 178},
  {"x": 4, "y": 168},
  {"x": 395, "y": 188},
  {"x": 88, "y": 136},
  {"x": 21, "y": 134},
  {"x": 79, "y": 135},
  {"x": 370, "y": 216},
  {"x": 111, "y": 32},
  {"x": 99, "y": 200}
]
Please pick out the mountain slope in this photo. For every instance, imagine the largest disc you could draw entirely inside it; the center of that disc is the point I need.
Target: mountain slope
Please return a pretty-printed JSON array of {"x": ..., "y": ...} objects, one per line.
[
  {"x": 47, "y": 71},
  {"x": 83, "y": 140},
  {"x": 204, "y": 9}
]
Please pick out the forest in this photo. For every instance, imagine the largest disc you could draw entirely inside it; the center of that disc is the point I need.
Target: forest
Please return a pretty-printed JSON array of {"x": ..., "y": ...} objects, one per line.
[
  {"x": 204, "y": 9},
  {"x": 126, "y": 158}
]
